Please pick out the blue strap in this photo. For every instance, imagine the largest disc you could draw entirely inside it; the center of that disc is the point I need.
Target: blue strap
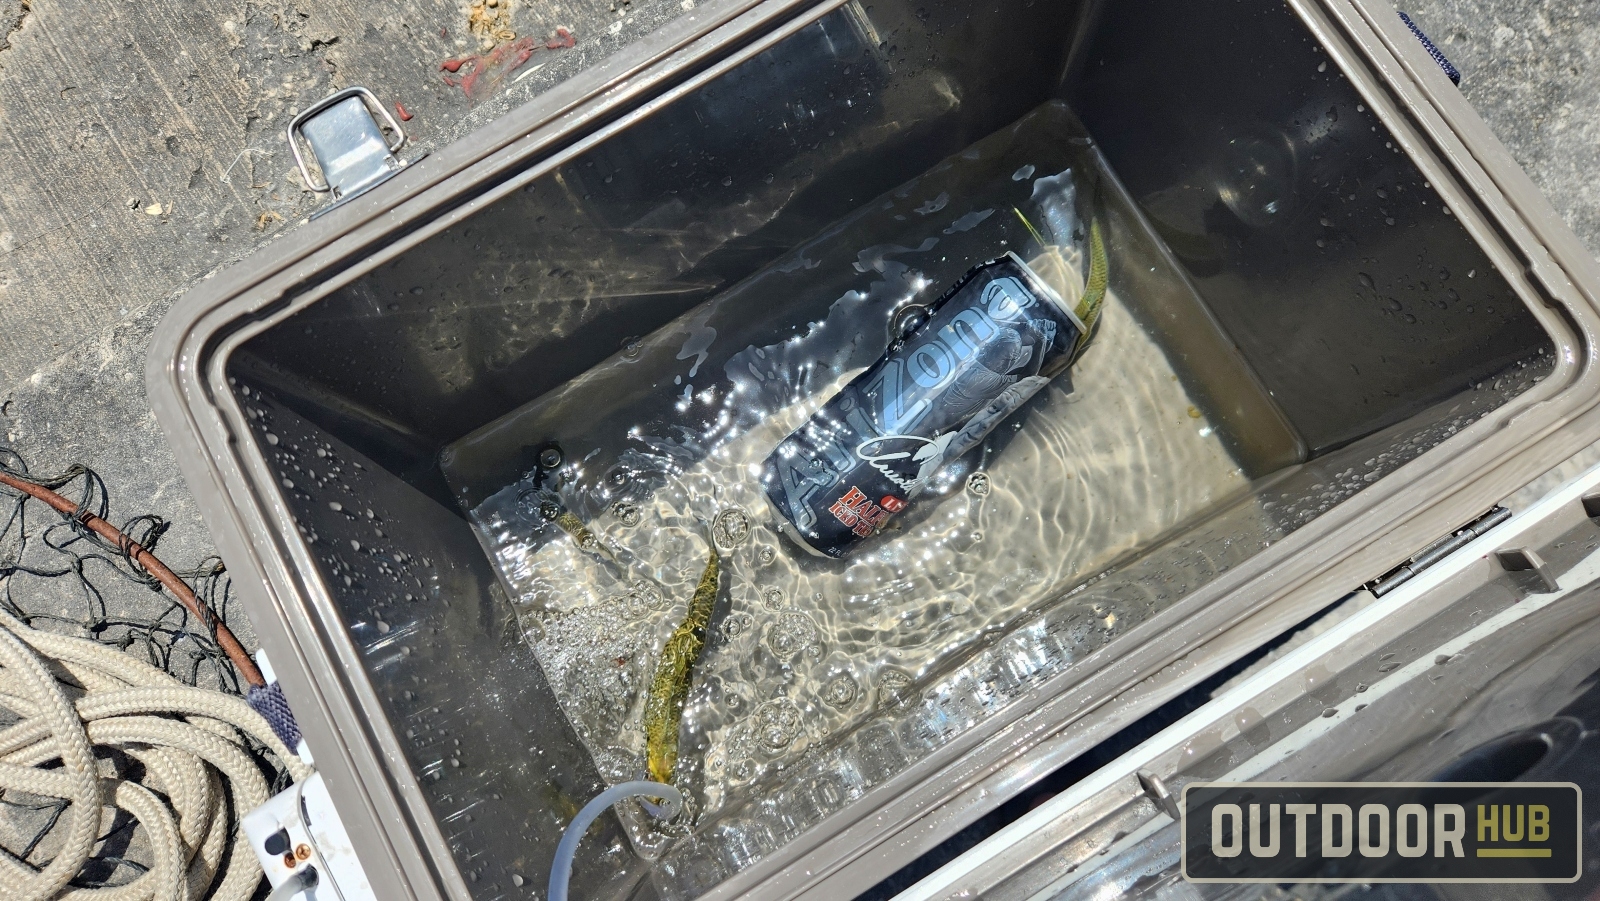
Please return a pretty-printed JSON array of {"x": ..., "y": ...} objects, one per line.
[
  {"x": 269, "y": 701},
  {"x": 1450, "y": 70}
]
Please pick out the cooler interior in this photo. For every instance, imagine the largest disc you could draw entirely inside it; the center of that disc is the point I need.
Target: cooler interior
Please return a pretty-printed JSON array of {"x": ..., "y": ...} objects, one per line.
[{"x": 1274, "y": 255}]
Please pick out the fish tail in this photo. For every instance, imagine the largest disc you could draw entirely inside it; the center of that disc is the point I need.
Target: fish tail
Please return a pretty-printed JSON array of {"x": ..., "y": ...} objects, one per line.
[{"x": 1031, "y": 230}]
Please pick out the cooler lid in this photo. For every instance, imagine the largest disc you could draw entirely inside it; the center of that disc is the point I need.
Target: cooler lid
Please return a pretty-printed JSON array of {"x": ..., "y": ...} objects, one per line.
[{"x": 1480, "y": 666}]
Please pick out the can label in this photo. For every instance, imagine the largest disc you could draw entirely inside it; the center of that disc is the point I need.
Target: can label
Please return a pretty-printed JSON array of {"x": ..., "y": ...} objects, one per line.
[{"x": 986, "y": 346}]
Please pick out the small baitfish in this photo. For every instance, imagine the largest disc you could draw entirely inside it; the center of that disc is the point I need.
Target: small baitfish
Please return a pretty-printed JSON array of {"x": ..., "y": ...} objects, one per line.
[
  {"x": 663, "y": 709},
  {"x": 1094, "y": 288}
]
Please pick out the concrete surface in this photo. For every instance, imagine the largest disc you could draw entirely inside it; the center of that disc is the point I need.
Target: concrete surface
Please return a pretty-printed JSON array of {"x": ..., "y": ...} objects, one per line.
[
  {"x": 1532, "y": 70},
  {"x": 141, "y": 147}
]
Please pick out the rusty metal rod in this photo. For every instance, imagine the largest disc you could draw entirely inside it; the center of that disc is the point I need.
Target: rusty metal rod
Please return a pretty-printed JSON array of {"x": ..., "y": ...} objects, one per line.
[{"x": 149, "y": 562}]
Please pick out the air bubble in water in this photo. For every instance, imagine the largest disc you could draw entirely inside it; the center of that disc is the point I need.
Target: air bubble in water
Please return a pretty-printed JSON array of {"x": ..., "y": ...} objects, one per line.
[
  {"x": 773, "y": 598},
  {"x": 633, "y": 605},
  {"x": 978, "y": 484},
  {"x": 766, "y": 555},
  {"x": 738, "y": 624},
  {"x": 731, "y": 528},
  {"x": 893, "y": 683},
  {"x": 794, "y": 632},
  {"x": 648, "y": 594},
  {"x": 840, "y": 691},
  {"x": 626, "y": 513},
  {"x": 777, "y": 724}
]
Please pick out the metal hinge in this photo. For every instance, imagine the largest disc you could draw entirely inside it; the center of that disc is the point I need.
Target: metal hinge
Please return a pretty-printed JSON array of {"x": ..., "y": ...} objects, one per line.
[
  {"x": 1437, "y": 551},
  {"x": 348, "y": 144}
]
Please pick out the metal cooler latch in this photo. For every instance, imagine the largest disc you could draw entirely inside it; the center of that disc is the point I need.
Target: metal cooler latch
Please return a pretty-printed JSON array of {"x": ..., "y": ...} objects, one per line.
[{"x": 348, "y": 143}]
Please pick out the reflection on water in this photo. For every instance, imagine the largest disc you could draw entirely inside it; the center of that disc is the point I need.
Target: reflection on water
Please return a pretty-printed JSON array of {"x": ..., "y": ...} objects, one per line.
[{"x": 663, "y": 444}]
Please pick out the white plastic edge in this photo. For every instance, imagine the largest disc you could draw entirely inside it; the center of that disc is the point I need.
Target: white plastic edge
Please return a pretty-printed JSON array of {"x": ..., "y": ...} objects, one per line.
[{"x": 948, "y": 880}]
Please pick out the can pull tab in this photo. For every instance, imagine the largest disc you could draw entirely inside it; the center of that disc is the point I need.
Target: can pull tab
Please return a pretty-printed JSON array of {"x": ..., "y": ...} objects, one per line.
[
  {"x": 905, "y": 320},
  {"x": 348, "y": 143}
]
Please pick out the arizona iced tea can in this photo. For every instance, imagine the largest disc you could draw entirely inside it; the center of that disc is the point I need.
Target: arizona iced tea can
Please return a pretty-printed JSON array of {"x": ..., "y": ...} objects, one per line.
[{"x": 985, "y": 347}]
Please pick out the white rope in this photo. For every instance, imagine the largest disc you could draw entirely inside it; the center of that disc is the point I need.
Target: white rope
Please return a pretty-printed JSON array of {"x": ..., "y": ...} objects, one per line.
[{"x": 73, "y": 696}]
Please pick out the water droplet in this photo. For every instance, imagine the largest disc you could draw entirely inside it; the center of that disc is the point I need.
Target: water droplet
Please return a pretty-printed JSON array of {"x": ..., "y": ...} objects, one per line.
[
  {"x": 335, "y": 506},
  {"x": 630, "y": 349},
  {"x": 272, "y": 439},
  {"x": 1326, "y": 222},
  {"x": 731, "y": 528}
]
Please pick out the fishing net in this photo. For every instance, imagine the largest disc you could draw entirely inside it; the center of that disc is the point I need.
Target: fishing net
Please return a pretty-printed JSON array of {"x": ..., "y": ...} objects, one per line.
[
  {"x": 56, "y": 574},
  {"x": 59, "y": 576}
]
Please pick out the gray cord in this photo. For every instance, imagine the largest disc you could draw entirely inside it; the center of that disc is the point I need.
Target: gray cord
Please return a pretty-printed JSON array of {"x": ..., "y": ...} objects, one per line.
[
  {"x": 561, "y": 868},
  {"x": 303, "y": 881}
]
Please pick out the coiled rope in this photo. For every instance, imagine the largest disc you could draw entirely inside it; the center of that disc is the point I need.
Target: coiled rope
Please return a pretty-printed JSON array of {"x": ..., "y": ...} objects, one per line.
[{"x": 80, "y": 706}]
